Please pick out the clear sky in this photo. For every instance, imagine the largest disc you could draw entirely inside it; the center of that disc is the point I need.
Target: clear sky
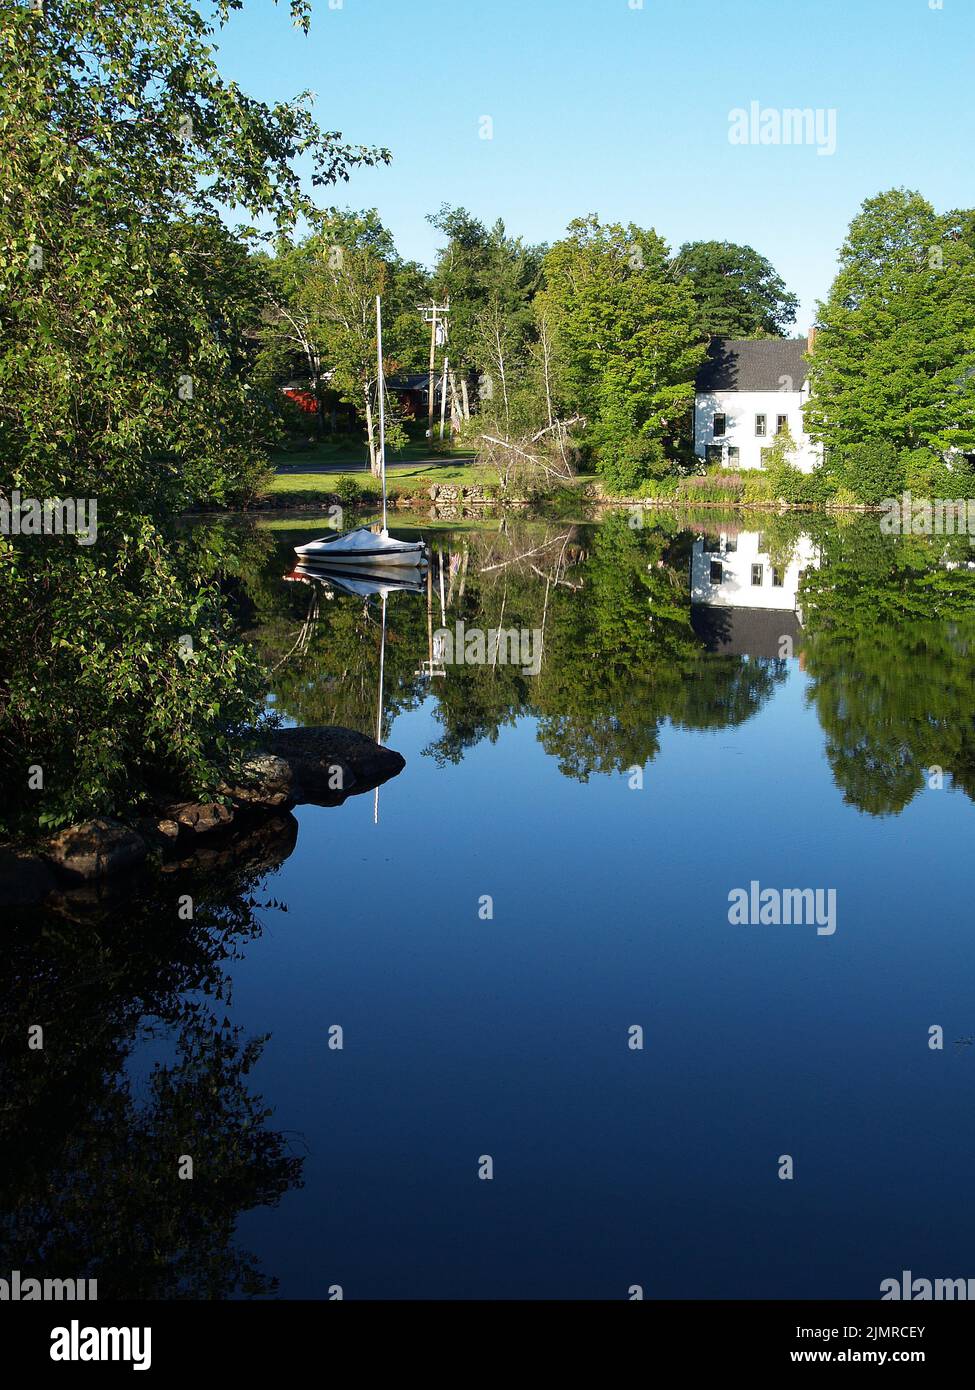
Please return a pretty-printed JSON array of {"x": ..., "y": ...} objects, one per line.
[{"x": 609, "y": 107}]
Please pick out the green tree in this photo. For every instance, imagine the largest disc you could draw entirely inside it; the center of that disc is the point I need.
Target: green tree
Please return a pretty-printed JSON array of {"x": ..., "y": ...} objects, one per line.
[
  {"x": 490, "y": 280},
  {"x": 321, "y": 305},
  {"x": 739, "y": 294},
  {"x": 626, "y": 344},
  {"x": 894, "y": 360},
  {"x": 123, "y": 297},
  {"x": 125, "y": 378}
]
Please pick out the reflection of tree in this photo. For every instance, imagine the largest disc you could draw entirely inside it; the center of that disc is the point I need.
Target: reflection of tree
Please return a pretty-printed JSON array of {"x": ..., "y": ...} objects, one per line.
[
  {"x": 628, "y": 659},
  {"x": 332, "y": 676},
  {"x": 890, "y": 649},
  {"x": 89, "y": 1186},
  {"x": 619, "y": 653}
]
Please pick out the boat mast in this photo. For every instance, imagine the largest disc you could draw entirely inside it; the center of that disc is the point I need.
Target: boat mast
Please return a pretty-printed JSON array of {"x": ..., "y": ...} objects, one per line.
[
  {"x": 382, "y": 405},
  {"x": 379, "y": 711}
]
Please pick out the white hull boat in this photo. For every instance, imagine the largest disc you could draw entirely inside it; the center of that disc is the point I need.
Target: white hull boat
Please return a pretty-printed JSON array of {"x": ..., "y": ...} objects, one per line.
[{"x": 363, "y": 550}]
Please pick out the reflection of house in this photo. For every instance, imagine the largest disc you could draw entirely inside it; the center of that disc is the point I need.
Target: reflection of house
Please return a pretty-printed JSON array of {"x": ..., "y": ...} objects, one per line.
[
  {"x": 747, "y": 392},
  {"x": 742, "y": 601}
]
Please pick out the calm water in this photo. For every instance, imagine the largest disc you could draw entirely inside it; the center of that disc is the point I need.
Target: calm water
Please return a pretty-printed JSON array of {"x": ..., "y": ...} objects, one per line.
[{"x": 688, "y": 731}]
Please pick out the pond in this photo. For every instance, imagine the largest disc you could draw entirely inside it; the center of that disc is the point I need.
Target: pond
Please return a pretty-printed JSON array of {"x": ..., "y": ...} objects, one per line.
[{"x": 498, "y": 1029}]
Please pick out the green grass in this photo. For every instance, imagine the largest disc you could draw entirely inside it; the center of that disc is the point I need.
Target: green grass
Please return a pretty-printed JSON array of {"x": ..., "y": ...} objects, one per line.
[
  {"x": 353, "y": 453},
  {"x": 313, "y": 487}
]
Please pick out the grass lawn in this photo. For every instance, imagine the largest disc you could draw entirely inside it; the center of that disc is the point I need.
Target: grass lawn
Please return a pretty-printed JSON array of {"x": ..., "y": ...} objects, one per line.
[
  {"x": 354, "y": 455},
  {"x": 296, "y": 487}
]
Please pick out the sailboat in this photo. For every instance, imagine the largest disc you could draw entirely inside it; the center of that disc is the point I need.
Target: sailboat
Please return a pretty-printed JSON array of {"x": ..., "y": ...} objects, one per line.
[{"x": 362, "y": 549}]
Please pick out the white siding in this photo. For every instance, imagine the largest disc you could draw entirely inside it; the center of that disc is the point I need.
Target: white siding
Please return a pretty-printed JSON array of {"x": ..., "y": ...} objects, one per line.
[
  {"x": 735, "y": 589},
  {"x": 740, "y": 409}
]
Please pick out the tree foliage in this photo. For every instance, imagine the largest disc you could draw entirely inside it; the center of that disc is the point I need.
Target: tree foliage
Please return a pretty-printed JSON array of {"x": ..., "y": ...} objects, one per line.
[
  {"x": 894, "y": 360},
  {"x": 738, "y": 292},
  {"x": 625, "y": 335}
]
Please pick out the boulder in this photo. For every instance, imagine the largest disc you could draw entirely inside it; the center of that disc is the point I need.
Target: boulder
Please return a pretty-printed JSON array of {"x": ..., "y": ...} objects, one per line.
[
  {"x": 329, "y": 763},
  {"x": 95, "y": 848},
  {"x": 265, "y": 782},
  {"x": 197, "y": 817}
]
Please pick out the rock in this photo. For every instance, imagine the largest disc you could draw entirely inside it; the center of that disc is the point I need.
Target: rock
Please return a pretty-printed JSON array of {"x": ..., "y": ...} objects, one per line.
[
  {"x": 24, "y": 879},
  {"x": 259, "y": 848},
  {"x": 265, "y": 781},
  {"x": 329, "y": 763},
  {"x": 198, "y": 817},
  {"x": 95, "y": 848}
]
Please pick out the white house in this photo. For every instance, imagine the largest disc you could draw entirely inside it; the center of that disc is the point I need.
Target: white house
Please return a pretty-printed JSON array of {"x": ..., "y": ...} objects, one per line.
[
  {"x": 747, "y": 392},
  {"x": 742, "y": 601}
]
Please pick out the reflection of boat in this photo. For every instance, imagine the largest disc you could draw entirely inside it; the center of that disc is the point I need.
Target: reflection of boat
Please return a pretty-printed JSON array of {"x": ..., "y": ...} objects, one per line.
[
  {"x": 361, "y": 582},
  {"x": 362, "y": 548}
]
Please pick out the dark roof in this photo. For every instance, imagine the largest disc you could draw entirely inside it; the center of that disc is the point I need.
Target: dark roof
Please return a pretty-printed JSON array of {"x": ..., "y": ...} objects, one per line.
[
  {"x": 410, "y": 381},
  {"x": 753, "y": 364},
  {"x": 755, "y": 632}
]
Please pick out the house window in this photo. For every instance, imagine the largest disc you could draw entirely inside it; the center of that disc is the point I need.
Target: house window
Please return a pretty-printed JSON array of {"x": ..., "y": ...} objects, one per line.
[
  {"x": 717, "y": 573},
  {"x": 733, "y": 454},
  {"x": 758, "y": 574},
  {"x": 720, "y": 425},
  {"x": 777, "y": 577},
  {"x": 781, "y": 424},
  {"x": 714, "y": 453},
  {"x": 760, "y": 426},
  {"x": 730, "y": 544},
  {"x": 712, "y": 545}
]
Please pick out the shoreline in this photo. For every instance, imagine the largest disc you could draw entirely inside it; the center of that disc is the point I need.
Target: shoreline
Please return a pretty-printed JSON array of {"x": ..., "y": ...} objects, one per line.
[{"x": 418, "y": 504}]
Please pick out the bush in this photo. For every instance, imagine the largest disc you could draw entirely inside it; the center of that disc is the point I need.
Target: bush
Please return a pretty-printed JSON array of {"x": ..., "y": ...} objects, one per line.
[
  {"x": 348, "y": 492},
  {"x": 872, "y": 470},
  {"x": 714, "y": 487},
  {"x": 629, "y": 464},
  {"x": 928, "y": 474}
]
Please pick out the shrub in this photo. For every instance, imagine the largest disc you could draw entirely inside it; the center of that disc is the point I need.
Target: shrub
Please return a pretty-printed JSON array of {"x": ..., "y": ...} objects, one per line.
[
  {"x": 348, "y": 492},
  {"x": 872, "y": 470},
  {"x": 928, "y": 474},
  {"x": 627, "y": 465}
]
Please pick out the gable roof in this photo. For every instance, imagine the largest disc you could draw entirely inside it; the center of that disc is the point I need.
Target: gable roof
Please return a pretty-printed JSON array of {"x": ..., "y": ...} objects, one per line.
[
  {"x": 753, "y": 364},
  {"x": 755, "y": 632}
]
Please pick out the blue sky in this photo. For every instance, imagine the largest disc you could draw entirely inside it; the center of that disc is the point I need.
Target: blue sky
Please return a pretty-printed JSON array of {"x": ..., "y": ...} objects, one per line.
[{"x": 600, "y": 107}]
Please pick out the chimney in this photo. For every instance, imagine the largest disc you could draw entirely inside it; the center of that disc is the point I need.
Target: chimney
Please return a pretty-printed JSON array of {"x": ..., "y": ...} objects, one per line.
[{"x": 811, "y": 342}]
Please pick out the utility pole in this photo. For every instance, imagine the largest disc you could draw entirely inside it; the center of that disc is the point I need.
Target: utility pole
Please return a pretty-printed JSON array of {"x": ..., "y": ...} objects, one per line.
[
  {"x": 436, "y": 316},
  {"x": 443, "y": 396}
]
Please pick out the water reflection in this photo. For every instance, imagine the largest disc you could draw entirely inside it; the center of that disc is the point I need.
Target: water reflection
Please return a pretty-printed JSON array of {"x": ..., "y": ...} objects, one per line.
[
  {"x": 646, "y": 626},
  {"x": 641, "y": 629},
  {"x": 94, "y": 1180}
]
